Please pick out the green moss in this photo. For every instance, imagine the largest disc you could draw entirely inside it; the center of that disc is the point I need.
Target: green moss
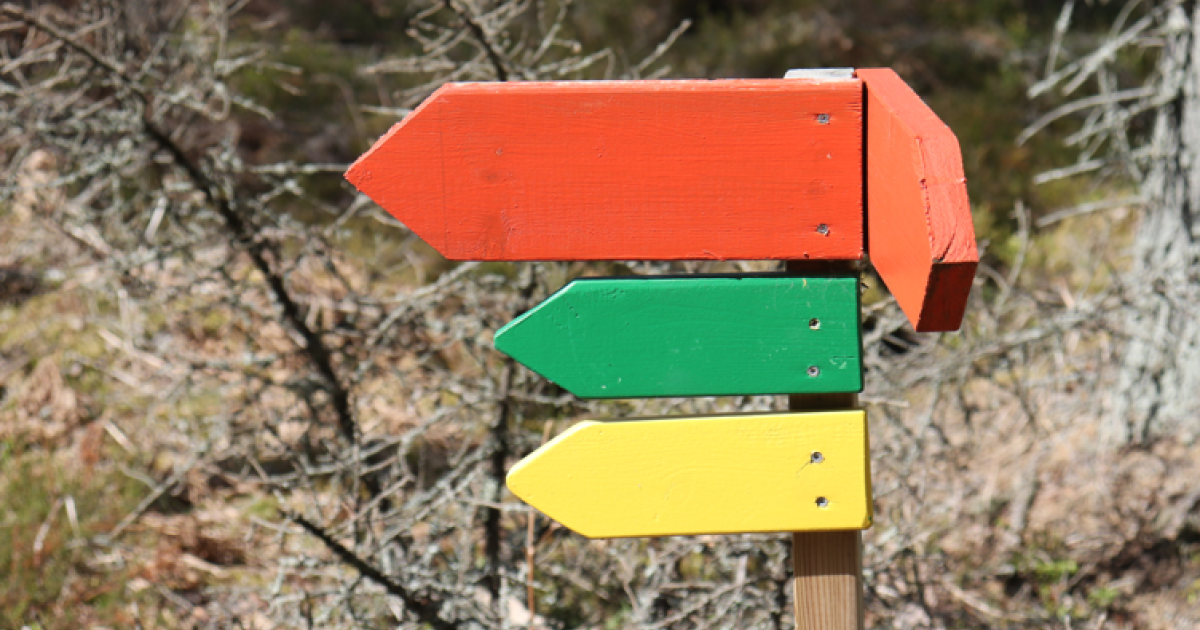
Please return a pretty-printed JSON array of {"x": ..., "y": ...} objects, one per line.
[
  {"x": 213, "y": 322},
  {"x": 51, "y": 585},
  {"x": 1054, "y": 571},
  {"x": 205, "y": 403},
  {"x": 1193, "y": 592},
  {"x": 264, "y": 507},
  {"x": 619, "y": 619},
  {"x": 53, "y": 323},
  {"x": 1103, "y": 597},
  {"x": 89, "y": 381},
  {"x": 155, "y": 321}
]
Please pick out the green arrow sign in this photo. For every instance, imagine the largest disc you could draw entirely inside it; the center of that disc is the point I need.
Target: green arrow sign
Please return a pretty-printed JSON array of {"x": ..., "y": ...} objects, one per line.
[{"x": 694, "y": 336}]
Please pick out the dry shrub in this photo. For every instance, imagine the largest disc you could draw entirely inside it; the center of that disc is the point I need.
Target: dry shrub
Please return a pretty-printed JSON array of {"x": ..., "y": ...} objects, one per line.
[{"x": 326, "y": 426}]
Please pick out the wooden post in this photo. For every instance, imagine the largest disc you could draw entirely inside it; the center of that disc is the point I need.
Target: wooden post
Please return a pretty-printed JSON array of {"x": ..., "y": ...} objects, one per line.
[{"x": 827, "y": 565}]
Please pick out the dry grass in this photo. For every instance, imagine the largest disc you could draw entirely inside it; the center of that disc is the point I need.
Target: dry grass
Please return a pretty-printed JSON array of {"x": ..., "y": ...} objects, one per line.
[
  {"x": 165, "y": 430},
  {"x": 998, "y": 504}
]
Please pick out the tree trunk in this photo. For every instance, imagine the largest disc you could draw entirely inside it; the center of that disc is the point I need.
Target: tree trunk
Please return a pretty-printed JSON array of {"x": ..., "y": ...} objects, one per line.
[{"x": 1159, "y": 382}]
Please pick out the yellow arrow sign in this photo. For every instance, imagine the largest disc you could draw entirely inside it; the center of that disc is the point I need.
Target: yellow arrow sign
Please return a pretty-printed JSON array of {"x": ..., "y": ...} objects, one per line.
[{"x": 710, "y": 475}]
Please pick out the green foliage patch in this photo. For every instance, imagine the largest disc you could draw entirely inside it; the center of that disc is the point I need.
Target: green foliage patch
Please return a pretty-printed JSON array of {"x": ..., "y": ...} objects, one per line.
[{"x": 45, "y": 573}]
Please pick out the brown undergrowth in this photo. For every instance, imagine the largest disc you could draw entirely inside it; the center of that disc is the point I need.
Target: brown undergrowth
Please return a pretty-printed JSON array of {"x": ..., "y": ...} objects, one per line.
[
  {"x": 299, "y": 421},
  {"x": 998, "y": 503}
]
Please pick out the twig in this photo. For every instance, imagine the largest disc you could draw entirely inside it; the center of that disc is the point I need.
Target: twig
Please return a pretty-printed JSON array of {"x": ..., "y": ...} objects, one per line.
[
  {"x": 1087, "y": 208},
  {"x": 499, "y": 463},
  {"x": 1086, "y": 166},
  {"x": 1022, "y": 215},
  {"x": 663, "y": 46},
  {"x": 1060, "y": 29},
  {"x": 153, "y": 496},
  {"x": 481, "y": 37},
  {"x": 113, "y": 67},
  {"x": 531, "y": 543},
  {"x": 425, "y": 610},
  {"x": 1082, "y": 104},
  {"x": 40, "y": 540}
]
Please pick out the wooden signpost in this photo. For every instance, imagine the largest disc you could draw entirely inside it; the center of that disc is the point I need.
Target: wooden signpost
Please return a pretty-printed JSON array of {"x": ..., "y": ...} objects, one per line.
[{"x": 670, "y": 170}]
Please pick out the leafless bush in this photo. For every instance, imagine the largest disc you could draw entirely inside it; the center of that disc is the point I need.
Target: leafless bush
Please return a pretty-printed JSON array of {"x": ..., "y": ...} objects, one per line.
[
  {"x": 269, "y": 338},
  {"x": 375, "y": 413}
]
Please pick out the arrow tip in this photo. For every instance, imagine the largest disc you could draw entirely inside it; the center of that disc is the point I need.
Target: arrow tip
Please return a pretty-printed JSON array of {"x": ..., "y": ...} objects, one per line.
[
  {"x": 539, "y": 481},
  {"x": 706, "y": 475},
  {"x": 920, "y": 236},
  {"x": 402, "y": 173}
]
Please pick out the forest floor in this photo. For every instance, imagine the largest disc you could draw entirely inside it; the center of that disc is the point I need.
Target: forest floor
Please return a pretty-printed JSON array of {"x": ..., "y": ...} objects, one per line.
[
  {"x": 1001, "y": 510},
  {"x": 1001, "y": 501}
]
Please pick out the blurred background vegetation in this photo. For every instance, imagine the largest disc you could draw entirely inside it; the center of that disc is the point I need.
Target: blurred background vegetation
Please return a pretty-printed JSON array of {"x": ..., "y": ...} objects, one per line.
[
  {"x": 1008, "y": 542},
  {"x": 971, "y": 61}
]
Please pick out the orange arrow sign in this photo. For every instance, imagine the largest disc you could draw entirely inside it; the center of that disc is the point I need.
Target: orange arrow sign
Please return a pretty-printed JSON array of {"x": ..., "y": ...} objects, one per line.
[
  {"x": 688, "y": 170},
  {"x": 919, "y": 231},
  {"x": 620, "y": 170}
]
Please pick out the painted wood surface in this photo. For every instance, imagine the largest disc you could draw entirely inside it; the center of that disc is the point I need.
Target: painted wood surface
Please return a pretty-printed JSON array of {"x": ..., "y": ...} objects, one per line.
[
  {"x": 919, "y": 232},
  {"x": 694, "y": 336},
  {"x": 827, "y": 566},
  {"x": 707, "y": 475},
  {"x": 618, "y": 170}
]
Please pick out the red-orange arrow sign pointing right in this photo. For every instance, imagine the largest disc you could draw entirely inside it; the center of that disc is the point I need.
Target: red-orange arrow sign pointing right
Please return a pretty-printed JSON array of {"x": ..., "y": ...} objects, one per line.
[
  {"x": 919, "y": 232},
  {"x": 688, "y": 170}
]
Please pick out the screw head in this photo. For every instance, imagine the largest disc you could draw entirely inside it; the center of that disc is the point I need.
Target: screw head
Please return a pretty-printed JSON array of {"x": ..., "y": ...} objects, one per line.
[
  {"x": 817, "y": 457},
  {"x": 823, "y": 119},
  {"x": 822, "y": 502},
  {"x": 823, "y": 229},
  {"x": 814, "y": 371},
  {"x": 814, "y": 324}
]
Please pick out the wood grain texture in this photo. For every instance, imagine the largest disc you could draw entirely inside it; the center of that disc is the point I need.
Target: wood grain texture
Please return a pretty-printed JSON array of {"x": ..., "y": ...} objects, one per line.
[
  {"x": 829, "y": 581},
  {"x": 694, "y": 336},
  {"x": 617, "y": 170},
  {"x": 919, "y": 232},
  {"x": 707, "y": 475}
]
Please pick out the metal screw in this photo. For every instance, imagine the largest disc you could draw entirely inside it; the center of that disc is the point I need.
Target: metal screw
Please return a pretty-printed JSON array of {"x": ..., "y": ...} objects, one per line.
[
  {"x": 822, "y": 502},
  {"x": 814, "y": 324},
  {"x": 817, "y": 457},
  {"x": 814, "y": 371},
  {"x": 823, "y": 230},
  {"x": 823, "y": 119}
]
